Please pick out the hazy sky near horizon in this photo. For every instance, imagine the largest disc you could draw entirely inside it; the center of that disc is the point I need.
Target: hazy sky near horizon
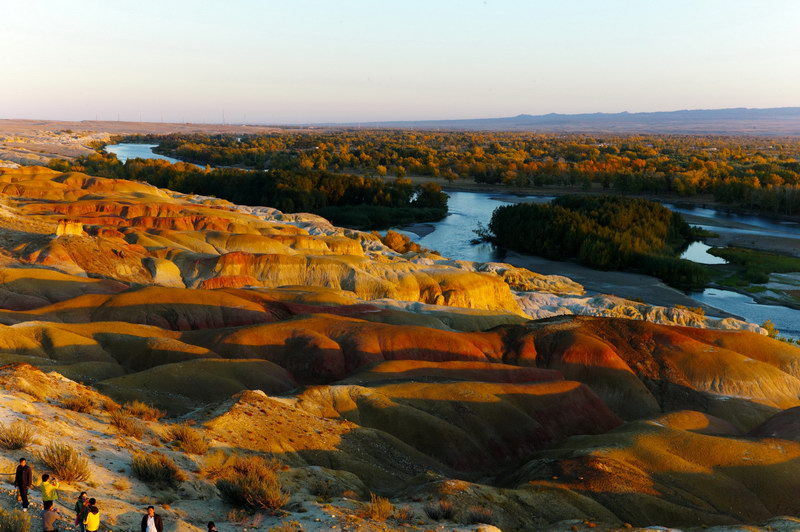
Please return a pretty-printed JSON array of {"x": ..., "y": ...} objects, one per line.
[{"x": 294, "y": 61}]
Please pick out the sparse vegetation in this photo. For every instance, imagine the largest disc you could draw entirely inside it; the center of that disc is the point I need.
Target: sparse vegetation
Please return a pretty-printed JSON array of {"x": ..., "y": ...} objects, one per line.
[
  {"x": 287, "y": 526},
  {"x": 324, "y": 490},
  {"x": 126, "y": 425},
  {"x": 404, "y": 514},
  {"x": 65, "y": 461},
  {"x": 440, "y": 510},
  {"x": 79, "y": 403},
  {"x": 156, "y": 468},
  {"x": 143, "y": 411},
  {"x": 378, "y": 508},
  {"x": 252, "y": 482},
  {"x": 14, "y": 521},
  {"x": 17, "y": 435},
  {"x": 479, "y": 514},
  {"x": 772, "y": 331},
  {"x": 38, "y": 391},
  {"x": 121, "y": 484},
  {"x": 190, "y": 440}
]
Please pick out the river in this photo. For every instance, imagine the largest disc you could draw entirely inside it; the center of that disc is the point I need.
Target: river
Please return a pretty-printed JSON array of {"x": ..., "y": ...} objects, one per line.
[{"x": 451, "y": 237}]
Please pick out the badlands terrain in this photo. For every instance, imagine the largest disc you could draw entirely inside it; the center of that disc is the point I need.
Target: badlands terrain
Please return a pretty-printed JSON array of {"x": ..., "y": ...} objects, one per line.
[{"x": 467, "y": 394}]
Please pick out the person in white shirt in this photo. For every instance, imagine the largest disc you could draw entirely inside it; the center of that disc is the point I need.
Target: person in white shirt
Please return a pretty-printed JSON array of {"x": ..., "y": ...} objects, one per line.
[{"x": 151, "y": 521}]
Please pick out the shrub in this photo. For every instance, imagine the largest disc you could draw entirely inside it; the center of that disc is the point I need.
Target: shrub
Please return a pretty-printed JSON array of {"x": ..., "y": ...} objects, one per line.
[
  {"x": 109, "y": 405},
  {"x": 404, "y": 514},
  {"x": 324, "y": 489},
  {"x": 479, "y": 515},
  {"x": 65, "y": 461},
  {"x": 126, "y": 425},
  {"x": 156, "y": 468},
  {"x": 121, "y": 484},
  {"x": 287, "y": 526},
  {"x": 78, "y": 403},
  {"x": 17, "y": 435},
  {"x": 14, "y": 521},
  {"x": 190, "y": 440},
  {"x": 252, "y": 482},
  {"x": 440, "y": 510},
  {"x": 378, "y": 508},
  {"x": 143, "y": 411}
]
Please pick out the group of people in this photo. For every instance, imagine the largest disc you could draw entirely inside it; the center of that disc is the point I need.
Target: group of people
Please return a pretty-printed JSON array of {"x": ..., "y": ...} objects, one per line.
[{"x": 87, "y": 515}]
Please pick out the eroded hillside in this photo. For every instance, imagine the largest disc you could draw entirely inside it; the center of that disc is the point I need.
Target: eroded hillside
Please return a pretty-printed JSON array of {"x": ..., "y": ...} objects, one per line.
[{"x": 363, "y": 370}]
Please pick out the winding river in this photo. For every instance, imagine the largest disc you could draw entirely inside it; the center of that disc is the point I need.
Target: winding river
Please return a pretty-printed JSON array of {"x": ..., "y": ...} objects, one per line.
[{"x": 452, "y": 235}]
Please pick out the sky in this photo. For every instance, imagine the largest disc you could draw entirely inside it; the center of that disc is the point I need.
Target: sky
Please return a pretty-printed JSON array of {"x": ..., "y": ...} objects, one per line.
[{"x": 316, "y": 61}]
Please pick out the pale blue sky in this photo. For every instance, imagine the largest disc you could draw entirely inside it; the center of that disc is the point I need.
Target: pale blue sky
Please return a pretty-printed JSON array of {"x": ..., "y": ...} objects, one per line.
[{"x": 339, "y": 60}]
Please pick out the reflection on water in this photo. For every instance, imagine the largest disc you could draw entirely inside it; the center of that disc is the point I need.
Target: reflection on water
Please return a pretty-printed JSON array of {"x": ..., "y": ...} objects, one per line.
[
  {"x": 127, "y": 151},
  {"x": 776, "y": 227},
  {"x": 467, "y": 212},
  {"x": 698, "y": 252},
  {"x": 786, "y": 320}
]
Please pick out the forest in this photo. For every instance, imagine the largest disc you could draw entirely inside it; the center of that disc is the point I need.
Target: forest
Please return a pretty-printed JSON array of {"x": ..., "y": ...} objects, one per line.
[
  {"x": 754, "y": 173},
  {"x": 603, "y": 232},
  {"x": 333, "y": 195}
]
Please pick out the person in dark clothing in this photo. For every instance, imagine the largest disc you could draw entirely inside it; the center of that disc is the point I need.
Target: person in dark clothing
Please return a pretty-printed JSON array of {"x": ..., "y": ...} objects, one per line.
[
  {"x": 23, "y": 480},
  {"x": 212, "y": 527},
  {"x": 151, "y": 521},
  {"x": 81, "y": 509}
]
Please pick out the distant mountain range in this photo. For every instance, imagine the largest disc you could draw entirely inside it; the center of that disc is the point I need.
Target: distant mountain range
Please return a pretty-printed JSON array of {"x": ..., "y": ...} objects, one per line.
[{"x": 735, "y": 121}]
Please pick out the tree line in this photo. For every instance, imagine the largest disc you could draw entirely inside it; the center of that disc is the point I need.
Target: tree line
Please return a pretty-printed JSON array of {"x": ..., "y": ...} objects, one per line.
[
  {"x": 603, "y": 232},
  {"x": 751, "y": 172},
  {"x": 351, "y": 200}
]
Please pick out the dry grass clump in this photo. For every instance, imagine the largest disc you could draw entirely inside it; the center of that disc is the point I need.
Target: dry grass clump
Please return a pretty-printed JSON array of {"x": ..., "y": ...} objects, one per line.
[
  {"x": 156, "y": 468},
  {"x": 287, "y": 526},
  {"x": 65, "y": 461},
  {"x": 324, "y": 490},
  {"x": 252, "y": 482},
  {"x": 17, "y": 435},
  {"x": 40, "y": 391},
  {"x": 479, "y": 515},
  {"x": 126, "y": 425},
  {"x": 14, "y": 521},
  {"x": 121, "y": 484},
  {"x": 190, "y": 440},
  {"x": 440, "y": 510},
  {"x": 377, "y": 509},
  {"x": 404, "y": 514},
  {"x": 79, "y": 403},
  {"x": 143, "y": 411}
]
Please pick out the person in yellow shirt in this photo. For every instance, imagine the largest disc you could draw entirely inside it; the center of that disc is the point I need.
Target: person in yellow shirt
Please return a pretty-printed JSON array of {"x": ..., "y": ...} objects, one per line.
[
  {"x": 92, "y": 521},
  {"x": 49, "y": 488}
]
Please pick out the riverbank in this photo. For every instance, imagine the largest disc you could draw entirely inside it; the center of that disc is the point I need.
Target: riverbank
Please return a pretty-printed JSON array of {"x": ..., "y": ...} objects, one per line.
[{"x": 702, "y": 200}]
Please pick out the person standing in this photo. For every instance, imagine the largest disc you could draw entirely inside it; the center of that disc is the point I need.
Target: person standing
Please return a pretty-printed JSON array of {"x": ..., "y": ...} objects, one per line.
[
  {"x": 81, "y": 509},
  {"x": 49, "y": 488},
  {"x": 49, "y": 517},
  {"x": 92, "y": 520},
  {"x": 151, "y": 522},
  {"x": 23, "y": 480}
]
